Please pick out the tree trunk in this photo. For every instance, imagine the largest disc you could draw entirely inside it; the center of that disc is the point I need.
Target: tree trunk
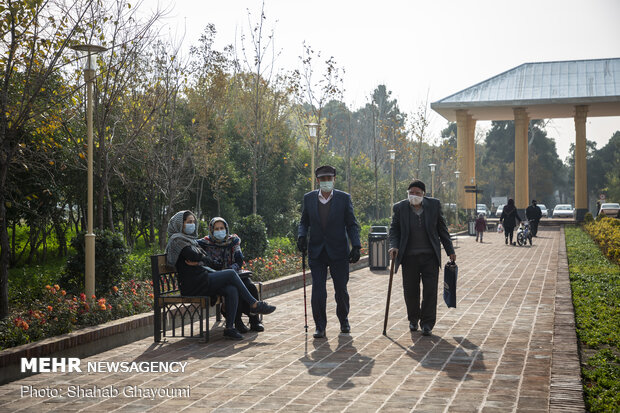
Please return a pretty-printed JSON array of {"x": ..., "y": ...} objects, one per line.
[
  {"x": 4, "y": 244},
  {"x": 254, "y": 188},
  {"x": 152, "y": 217}
]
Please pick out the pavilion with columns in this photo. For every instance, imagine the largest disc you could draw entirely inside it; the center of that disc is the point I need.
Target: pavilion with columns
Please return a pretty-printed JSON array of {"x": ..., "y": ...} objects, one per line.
[{"x": 543, "y": 90}]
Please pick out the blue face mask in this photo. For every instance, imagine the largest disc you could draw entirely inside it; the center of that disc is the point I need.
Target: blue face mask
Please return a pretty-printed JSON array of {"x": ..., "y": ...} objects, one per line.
[
  {"x": 326, "y": 186},
  {"x": 219, "y": 235},
  {"x": 190, "y": 229}
]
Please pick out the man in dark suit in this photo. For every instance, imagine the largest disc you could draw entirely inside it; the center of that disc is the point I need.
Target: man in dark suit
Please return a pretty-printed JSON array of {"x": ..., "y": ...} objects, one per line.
[
  {"x": 328, "y": 213},
  {"x": 417, "y": 228}
]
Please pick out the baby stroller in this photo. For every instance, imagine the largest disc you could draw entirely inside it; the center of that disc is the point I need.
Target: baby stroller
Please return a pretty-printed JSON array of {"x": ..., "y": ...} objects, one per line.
[{"x": 524, "y": 234}]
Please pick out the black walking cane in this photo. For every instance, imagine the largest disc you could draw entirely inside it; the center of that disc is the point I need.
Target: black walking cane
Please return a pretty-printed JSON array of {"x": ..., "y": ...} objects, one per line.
[
  {"x": 387, "y": 304},
  {"x": 303, "y": 267}
]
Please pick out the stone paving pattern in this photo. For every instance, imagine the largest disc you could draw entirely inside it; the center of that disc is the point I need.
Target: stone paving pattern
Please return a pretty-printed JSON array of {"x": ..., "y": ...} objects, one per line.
[{"x": 493, "y": 353}]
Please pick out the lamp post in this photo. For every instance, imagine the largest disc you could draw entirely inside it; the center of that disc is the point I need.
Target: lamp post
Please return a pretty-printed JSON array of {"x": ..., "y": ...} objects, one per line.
[
  {"x": 432, "y": 166},
  {"x": 456, "y": 200},
  {"x": 392, "y": 153},
  {"x": 89, "y": 51},
  {"x": 312, "y": 131}
]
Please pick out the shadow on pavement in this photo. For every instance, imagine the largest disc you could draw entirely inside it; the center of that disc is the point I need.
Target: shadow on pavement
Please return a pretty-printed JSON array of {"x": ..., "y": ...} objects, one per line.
[
  {"x": 197, "y": 349},
  {"x": 339, "y": 365},
  {"x": 432, "y": 352}
]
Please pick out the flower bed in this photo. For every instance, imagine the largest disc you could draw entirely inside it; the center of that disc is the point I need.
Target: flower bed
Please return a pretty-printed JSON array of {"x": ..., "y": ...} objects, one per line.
[{"x": 57, "y": 312}]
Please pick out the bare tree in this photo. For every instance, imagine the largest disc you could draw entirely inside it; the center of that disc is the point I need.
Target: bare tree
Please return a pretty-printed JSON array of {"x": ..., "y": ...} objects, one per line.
[{"x": 261, "y": 96}]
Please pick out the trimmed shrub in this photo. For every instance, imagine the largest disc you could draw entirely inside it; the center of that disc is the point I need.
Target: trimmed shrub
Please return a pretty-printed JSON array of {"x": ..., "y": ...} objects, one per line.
[
  {"x": 606, "y": 233},
  {"x": 110, "y": 256},
  {"x": 253, "y": 234},
  {"x": 588, "y": 218}
]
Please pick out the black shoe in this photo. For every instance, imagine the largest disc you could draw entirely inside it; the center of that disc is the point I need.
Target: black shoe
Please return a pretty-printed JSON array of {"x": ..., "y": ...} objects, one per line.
[
  {"x": 318, "y": 333},
  {"x": 232, "y": 334},
  {"x": 426, "y": 331},
  {"x": 240, "y": 327},
  {"x": 506, "y": 241},
  {"x": 263, "y": 308},
  {"x": 345, "y": 328},
  {"x": 413, "y": 326},
  {"x": 257, "y": 326}
]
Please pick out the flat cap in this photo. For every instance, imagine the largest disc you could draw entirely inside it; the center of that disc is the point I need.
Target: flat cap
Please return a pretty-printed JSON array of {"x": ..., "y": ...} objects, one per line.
[{"x": 325, "y": 170}]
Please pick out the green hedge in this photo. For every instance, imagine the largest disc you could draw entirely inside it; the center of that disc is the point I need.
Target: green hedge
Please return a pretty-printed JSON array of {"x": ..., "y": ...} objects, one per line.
[{"x": 595, "y": 285}]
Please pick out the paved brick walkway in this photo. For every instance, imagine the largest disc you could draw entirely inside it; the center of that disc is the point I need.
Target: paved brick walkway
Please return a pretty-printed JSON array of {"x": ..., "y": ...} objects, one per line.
[{"x": 492, "y": 353}]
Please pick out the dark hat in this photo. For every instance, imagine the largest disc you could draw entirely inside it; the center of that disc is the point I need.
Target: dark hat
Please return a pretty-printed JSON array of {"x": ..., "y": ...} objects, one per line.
[
  {"x": 325, "y": 170},
  {"x": 417, "y": 183},
  {"x": 533, "y": 201}
]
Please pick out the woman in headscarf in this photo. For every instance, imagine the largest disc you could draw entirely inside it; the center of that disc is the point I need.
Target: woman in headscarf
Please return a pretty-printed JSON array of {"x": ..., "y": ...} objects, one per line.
[
  {"x": 509, "y": 220},
  {"x": 195, "y": 278},
  {"x": 223, "y": 250}
]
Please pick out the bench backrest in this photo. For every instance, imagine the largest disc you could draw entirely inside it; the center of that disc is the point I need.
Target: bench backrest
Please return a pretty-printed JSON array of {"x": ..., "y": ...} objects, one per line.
[{"x": 165, "y": 279}]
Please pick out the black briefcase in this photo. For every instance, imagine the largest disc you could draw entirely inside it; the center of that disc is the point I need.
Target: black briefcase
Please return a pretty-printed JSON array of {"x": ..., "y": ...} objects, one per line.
[{"x": 450, "y": 273}]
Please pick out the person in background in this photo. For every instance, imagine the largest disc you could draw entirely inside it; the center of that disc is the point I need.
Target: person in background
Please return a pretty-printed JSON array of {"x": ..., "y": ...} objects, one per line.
[
  {"x": 327, "y": 215},
  {"x": 481, "y": 225},
  {"x": 509, "y": 219},
  {"x": 196, "y": 279},
  {"x": 417, "y": 228},
  {"x": 223, "y": 250},
  {"x": 533, "y": 213}
]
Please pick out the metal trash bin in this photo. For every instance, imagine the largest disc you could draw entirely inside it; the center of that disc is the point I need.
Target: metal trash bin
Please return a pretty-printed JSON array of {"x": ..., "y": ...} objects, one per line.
[
  {"x": 378, "y": 258},
  {"x": 471, "y": 227}
]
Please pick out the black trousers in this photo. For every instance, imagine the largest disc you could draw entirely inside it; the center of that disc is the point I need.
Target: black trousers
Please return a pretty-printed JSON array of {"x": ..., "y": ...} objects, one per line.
[
  {"x": 339, "y": 271},
  {"x": 534, "y": 226},
  {"x": 425, "y": 268},
  {"x": 244, "y": 307}
]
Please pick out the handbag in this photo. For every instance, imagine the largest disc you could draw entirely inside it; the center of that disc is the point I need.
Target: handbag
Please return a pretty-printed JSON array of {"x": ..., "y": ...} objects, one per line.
[
  {"x": 450, "y": 274},
  {"x": 500, "y": 228}
]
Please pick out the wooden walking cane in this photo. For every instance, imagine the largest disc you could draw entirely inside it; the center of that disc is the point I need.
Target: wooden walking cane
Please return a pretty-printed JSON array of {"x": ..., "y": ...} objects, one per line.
[
  {"x": 303, "y": 266},
  {"x": 387, "y": 304}
]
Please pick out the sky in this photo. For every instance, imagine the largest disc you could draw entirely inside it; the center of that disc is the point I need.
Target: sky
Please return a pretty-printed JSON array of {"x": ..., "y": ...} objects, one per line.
[{"x": 422, "y": 51}]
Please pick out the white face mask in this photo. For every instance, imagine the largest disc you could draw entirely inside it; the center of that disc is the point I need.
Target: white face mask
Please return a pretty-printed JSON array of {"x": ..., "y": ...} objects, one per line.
[
  {"x": 189, "y": 229},
  {"x": 415, "y": 199},
  {"x": 326, "y": 186}
]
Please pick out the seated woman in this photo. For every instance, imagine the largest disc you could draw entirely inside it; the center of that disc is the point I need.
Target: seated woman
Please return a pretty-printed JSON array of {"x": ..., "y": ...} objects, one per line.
[
  {"x": 223, "y": 250},
  {"x": 195, "y": 278}
]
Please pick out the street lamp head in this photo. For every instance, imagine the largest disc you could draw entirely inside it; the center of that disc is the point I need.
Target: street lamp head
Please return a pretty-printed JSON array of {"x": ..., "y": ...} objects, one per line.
[
  {"x": 90, "y": 52},
  {"x": 392, "y": 153},
  {"x": 312, "y": 129},
  {"x": 432, "y": 166}
]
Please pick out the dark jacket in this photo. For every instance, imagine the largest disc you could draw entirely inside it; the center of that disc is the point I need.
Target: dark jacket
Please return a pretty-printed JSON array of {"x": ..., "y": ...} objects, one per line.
[
  {"x": 509, "y": 218},
  {"x": 341, "y": 223},
  {"x": 481, "y": 224},
  {"x": 193, "y": 279},
  {"x": 533, "y": 213},
  {"x": 435, "y": 228}
]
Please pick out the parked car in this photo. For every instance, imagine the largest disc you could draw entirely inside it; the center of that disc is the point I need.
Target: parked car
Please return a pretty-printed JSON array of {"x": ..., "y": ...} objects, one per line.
[
  {"x": 543, "y": 209},
  {"x": 610, "y": 209},
  {"x": 499, "y": 210},
  {"x": 563, "y": 211},
  {"x": 482, "y": 209}
]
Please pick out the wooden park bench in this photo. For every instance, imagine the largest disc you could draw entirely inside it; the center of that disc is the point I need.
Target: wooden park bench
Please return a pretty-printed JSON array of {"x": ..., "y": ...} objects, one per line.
[{"x": 169, "y": 304}]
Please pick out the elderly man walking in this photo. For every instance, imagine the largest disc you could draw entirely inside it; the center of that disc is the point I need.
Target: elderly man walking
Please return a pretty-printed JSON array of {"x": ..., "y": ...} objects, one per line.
[
  {"x": 417, "y": 228},
  {"x": 327, "y": 214}
]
